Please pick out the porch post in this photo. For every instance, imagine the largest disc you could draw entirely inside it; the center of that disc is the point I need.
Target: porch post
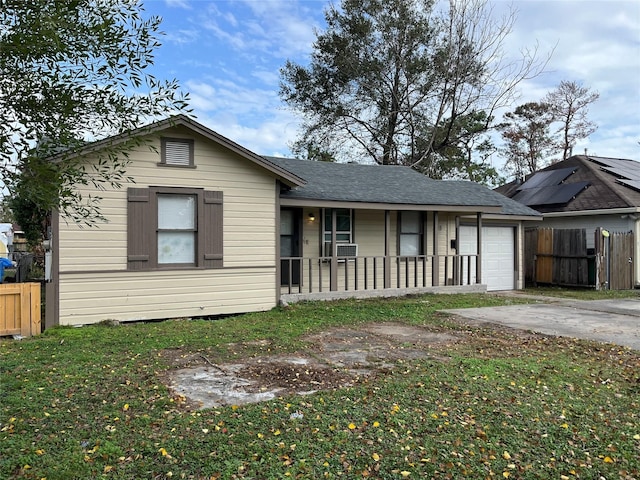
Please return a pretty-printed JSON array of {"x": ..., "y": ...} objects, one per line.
[
  {"x": 458, "y": 261},
  {"x": 333, "y": 277},
  {"x": 435, "y": 271},
  {"x": 387, "y": 249},
  {"x": 479, "y": 248}
]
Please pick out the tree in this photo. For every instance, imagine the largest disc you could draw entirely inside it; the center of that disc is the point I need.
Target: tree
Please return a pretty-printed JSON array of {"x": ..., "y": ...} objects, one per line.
[
  {"x": 469, "y": 157},
  {"x": 389, "y": 80},
  {"x": 569, "y": 104},
  {"x": 528, "y": 138},
  {"x": 6, "y": 214},
  {"x": 71, "y": 72}
]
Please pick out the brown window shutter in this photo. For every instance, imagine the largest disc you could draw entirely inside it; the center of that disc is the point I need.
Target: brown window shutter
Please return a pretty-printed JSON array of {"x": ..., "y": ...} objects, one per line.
[
  {"x": 138, "y": 228},
  {"x": 212, "y": 230}
]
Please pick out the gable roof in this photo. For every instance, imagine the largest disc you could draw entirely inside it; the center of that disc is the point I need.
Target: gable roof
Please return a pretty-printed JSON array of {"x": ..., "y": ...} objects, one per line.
[
  {"x": 580, "y": 183},
  {"x": 370, "y": 186},
  {"x": 183, "y": 121}
]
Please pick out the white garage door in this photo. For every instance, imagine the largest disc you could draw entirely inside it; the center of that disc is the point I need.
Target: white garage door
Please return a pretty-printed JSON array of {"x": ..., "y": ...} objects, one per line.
[{"x": 498, "y": 250}]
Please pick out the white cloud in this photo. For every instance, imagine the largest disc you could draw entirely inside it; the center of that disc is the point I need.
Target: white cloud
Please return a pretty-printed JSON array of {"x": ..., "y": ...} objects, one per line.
[
  {"x": 274, "y": 28},
  {"x": 233, "y": 99},
  {"x": 182, "y": 37},
  {"x": 270, "y": 137},
  {"x": 179, "y": 4}
]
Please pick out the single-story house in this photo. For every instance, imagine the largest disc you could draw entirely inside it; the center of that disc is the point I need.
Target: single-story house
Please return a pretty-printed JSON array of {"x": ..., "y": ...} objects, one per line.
[
  {"x": 210, "y": 228},
  {"x": 585, "y": 192}
]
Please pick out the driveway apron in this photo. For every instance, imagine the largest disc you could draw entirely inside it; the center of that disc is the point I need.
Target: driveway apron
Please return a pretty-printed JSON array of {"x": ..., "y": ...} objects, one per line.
[{"x": 609, "y": 321}]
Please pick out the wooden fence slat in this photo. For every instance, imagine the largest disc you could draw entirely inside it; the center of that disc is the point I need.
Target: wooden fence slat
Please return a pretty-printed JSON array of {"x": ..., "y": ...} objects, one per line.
[
  {"x": 25, "y": 310},
  {"x": 544, "y": 261},
  {"x": 36, "y": 309}
]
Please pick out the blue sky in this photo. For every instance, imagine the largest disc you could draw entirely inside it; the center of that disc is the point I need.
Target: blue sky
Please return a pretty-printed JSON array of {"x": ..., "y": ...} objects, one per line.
[{"x": 227, "y": 55}]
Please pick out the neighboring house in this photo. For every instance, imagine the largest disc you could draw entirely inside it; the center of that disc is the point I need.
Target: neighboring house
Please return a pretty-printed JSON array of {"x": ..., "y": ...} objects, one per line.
[
  {"x": 585, "y": 192},
  {"x": 210, "y": 228}
]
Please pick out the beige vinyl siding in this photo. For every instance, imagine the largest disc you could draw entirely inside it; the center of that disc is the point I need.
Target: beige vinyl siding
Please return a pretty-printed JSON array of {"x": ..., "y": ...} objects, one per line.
[
  {"x": 86, "y": 298},
  {"x": 311, "y": 233},
  {"x": 109, "y": 291},
  {"x": 369, "y": 232},
  {"x": 249, "y": 210}
]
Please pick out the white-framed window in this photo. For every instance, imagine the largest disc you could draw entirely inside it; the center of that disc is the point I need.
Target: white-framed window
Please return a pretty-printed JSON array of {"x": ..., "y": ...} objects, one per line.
[
  {"x": 410, "y": 233},
  {"x": 177, "y": 229},
  {"x": 344, "y": 228}
]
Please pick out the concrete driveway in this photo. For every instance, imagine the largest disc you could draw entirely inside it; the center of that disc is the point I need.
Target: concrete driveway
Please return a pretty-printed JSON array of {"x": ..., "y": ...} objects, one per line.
[{"x": 610, "y": 321}]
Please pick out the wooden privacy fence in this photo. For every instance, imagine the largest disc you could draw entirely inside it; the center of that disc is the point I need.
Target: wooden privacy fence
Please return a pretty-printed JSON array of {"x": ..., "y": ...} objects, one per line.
[
  {"x": 20, "y": 309},
  {"x": 614, "y": 265},
  {"x": 560, "y": 257}
]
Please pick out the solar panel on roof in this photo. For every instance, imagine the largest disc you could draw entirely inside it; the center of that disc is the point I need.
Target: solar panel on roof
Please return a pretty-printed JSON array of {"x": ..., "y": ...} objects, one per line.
[
  {"x": 629, "y": 169},
  {"x": 635, "y": 184},
  {"x": 550, "y": 195},
  {"x": 547, "y": 178},
  {"x": 629, "y": 173}
]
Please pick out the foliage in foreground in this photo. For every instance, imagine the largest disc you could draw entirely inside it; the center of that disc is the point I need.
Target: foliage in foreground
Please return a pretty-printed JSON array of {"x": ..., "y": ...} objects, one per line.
[
  {"x": 79, "y": 71},
  {"x": 91, "y": 403}
]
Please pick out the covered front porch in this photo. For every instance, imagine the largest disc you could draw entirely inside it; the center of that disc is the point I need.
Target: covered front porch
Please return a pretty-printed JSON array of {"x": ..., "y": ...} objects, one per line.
[{"x": 330, "y": 253}]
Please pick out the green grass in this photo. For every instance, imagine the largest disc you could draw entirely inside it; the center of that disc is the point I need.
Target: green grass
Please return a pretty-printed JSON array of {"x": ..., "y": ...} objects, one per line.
[
  {"x": 582, "y": 294},
  {"x": 90, "y": 403}
]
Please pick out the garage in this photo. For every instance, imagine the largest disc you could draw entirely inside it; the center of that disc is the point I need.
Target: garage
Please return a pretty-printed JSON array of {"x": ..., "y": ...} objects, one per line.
[{"x": 498, "y": 253}]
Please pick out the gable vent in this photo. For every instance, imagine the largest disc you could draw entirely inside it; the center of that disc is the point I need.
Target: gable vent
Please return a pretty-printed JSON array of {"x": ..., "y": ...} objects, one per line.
[{"x": 178, "y": 153}]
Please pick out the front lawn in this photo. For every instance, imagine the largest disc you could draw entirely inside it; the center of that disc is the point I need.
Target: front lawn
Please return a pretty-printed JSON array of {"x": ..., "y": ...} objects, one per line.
[
  {"x": 582, "y": 294},
  {"x": 83, "y": 403}
]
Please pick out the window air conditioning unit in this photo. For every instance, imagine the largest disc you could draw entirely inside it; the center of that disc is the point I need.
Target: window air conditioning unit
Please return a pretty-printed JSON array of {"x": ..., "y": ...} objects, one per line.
[{"x": 346, "y": 250}]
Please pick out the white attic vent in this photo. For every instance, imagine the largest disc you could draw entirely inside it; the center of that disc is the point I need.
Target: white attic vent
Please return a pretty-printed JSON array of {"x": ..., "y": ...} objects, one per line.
[{"x": 178, "y": 153}]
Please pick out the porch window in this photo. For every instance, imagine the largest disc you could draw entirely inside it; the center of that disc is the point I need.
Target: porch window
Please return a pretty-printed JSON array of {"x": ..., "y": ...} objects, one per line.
[
  {"x": 344, "y": 228},
  {"x": 411, "y": 233}
]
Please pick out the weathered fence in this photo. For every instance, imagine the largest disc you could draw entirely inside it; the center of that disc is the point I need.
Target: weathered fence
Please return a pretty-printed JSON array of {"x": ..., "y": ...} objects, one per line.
[
  {"x": 615, "y": 259},
  {"x": 20, "y": 309},
  {"x": 560, "y": 257}
]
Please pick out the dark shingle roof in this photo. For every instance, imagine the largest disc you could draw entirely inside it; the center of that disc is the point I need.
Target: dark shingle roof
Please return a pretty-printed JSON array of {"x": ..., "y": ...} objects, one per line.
[
  {"x": 388, "y": 184},
  {"x": 610, "y": 183}
]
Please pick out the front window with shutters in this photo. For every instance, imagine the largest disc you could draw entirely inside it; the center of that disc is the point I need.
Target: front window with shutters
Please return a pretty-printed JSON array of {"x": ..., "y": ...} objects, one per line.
[
  {"x": 177, "y": 152},
  {"x": 177, "y": 229},
  {"x": 173, "y": 228}
]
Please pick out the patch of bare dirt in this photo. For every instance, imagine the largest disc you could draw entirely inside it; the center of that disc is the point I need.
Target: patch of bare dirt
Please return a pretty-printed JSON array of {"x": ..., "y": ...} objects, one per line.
[{"x": 338, "y": 358}]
